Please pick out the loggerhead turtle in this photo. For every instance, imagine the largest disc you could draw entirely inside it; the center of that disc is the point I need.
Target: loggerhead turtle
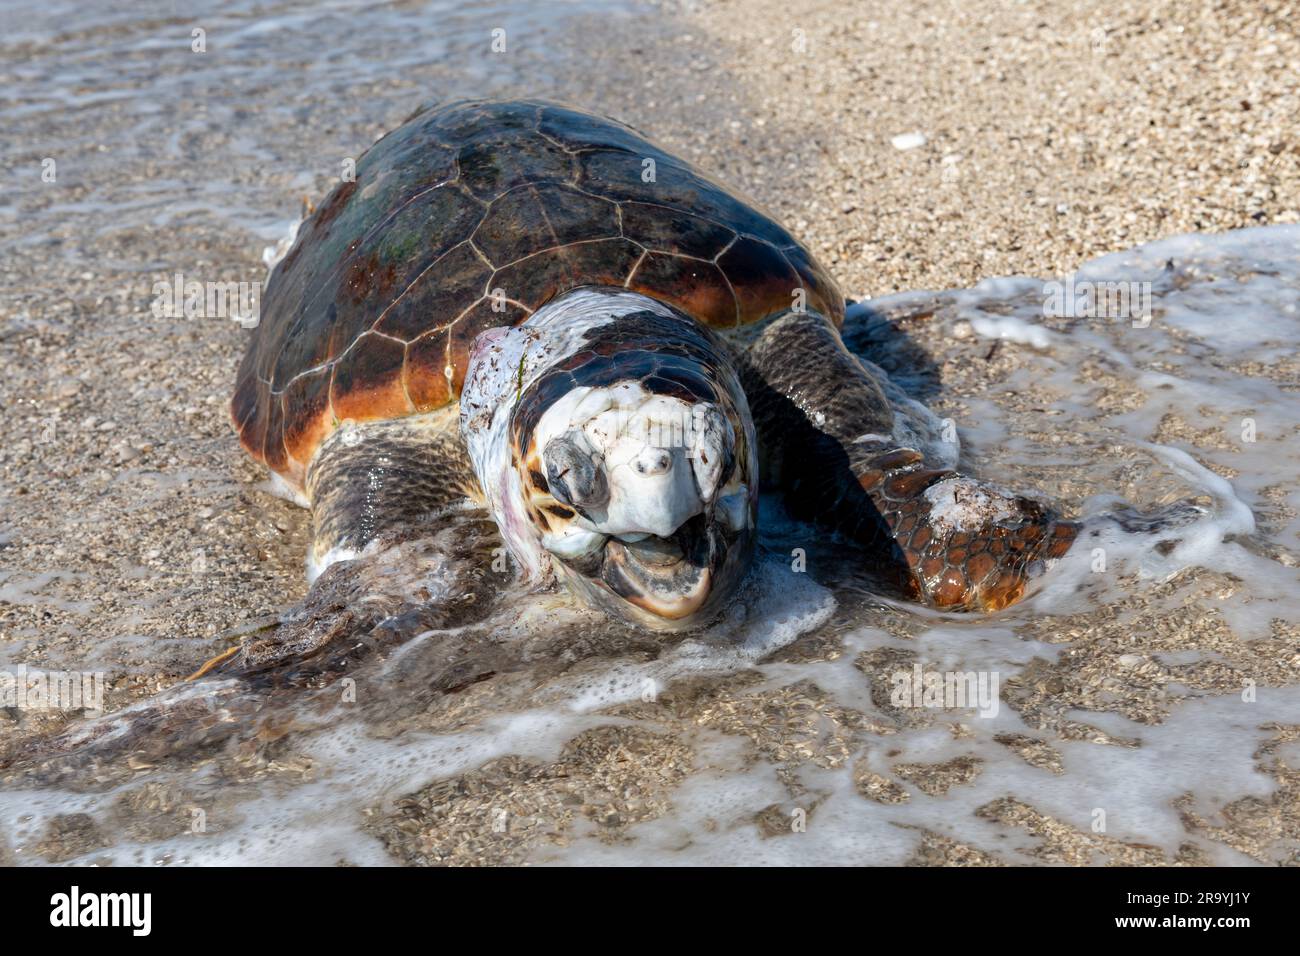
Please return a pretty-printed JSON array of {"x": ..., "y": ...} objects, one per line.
[{"x": 536, "y": 307}]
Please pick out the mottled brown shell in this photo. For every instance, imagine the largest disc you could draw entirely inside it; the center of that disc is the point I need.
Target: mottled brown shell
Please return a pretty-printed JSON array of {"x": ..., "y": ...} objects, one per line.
[{"x": 471, "y": 216}]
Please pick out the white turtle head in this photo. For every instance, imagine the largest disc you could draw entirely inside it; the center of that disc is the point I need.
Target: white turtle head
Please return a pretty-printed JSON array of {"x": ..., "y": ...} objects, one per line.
[
  {"x": 631, "y": 461},
  {"x": 617, "y": 455}
]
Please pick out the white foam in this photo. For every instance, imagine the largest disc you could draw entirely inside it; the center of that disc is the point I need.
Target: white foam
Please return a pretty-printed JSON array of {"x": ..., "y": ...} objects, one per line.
[
  {"x": 1260, "y": 319},
  {"x": 1134, "y": 788},
  {"x": 774, "y": 607},
  {"x": 1012, "y": 329},
  {"x": 712, "y": 815}
]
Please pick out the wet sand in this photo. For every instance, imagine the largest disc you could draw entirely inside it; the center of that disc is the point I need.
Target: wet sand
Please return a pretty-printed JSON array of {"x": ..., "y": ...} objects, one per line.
[{"x": 137, "y": 539}]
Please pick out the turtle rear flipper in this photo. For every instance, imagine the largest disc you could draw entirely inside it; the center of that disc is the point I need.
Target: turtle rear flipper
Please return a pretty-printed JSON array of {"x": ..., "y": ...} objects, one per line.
[{"x": 828, "y": 433}]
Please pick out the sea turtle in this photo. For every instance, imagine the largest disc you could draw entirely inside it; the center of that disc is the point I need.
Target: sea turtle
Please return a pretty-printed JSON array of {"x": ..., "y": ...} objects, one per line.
[{"x": 537, "y": 308}]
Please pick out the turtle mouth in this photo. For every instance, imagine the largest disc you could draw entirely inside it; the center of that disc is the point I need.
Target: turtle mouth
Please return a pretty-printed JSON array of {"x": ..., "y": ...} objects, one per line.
[
  {"x": 670, "y": 577},
  {"x": 671, "y": 582}
]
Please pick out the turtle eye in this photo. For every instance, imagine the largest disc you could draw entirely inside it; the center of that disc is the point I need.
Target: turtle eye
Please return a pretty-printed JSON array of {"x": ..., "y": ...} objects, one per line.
[
  {"x": 575, "y": 476},
  {"x": 713, "y": 449}
]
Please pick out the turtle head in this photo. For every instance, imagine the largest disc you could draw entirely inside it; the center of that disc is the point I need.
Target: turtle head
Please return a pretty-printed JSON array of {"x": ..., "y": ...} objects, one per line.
[
  {"x": 641, "y": 499},
  {"x": 626, "y": 464}
]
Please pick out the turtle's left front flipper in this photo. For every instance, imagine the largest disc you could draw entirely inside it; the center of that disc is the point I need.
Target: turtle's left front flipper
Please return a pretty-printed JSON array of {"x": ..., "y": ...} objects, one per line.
[{"x": 828, "y": 437}]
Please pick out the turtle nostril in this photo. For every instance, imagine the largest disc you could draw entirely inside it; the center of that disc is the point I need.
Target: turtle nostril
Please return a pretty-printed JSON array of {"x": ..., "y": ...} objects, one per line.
[{"x": 653, "y": 461}]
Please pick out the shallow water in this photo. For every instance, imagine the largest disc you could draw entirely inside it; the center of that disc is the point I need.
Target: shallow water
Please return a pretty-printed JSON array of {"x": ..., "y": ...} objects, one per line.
[{"x": 1146, "y": 697}]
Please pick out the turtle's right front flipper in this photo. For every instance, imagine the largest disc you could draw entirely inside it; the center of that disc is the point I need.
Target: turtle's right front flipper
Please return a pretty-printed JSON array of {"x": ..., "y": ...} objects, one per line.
[
  {"x": 828, "y": 438},
  {"x": 398, "y": 548}
]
